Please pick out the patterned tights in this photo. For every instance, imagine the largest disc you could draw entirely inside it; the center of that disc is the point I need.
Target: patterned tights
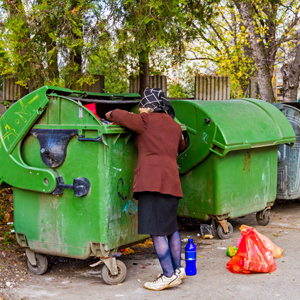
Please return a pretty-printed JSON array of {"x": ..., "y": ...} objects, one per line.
[{"x": 168, "y": 252}]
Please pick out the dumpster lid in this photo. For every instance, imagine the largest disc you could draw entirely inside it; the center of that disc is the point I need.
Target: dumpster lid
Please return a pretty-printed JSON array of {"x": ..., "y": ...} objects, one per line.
[
  {"x": 224, "y": 126},
  {"x": 90, "y": 96},
  {"x": 248, "y": 123}
]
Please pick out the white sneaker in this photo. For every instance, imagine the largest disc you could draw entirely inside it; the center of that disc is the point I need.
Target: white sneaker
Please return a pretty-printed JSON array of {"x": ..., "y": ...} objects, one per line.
[
  {"x": 163, "y": 282},
  {"x": 180, "y": 272}
]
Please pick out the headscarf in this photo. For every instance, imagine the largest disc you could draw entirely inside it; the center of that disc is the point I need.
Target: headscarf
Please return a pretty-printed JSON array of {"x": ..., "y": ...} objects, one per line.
[{"x": 155, "y": 98}]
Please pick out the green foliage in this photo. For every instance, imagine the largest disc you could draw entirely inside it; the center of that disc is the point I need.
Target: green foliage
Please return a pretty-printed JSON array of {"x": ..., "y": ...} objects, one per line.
[
  {"x": 176, "y": 91},
  {"x": 47, "y": 42},
  {"x": 223, "y": 45},
  {"x": 183, "y": 86},
  {"x": 143, "y": 27},
  {"x": 116, "y": 71},
  {"x": 8, "y": 239}
]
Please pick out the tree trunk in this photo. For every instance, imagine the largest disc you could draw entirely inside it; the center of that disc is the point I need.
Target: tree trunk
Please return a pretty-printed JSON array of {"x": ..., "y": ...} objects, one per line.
[
  {"x": 259, "y": 52},
  {"x": 290, "y": 93},
  {"x": 52, "y": 59},
  {"x": 144, "y": 71},
  {"x": 77, "y": 50}
]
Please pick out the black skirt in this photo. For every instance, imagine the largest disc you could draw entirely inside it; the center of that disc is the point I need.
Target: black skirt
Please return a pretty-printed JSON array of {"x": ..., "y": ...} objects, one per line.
[{"x": 157, "y": 213}]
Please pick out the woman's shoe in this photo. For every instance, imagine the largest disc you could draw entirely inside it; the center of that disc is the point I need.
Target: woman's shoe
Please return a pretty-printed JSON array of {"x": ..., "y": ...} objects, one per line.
[
  {"x": 180, "y": 272},
  {"x": 163, "y": 282}
]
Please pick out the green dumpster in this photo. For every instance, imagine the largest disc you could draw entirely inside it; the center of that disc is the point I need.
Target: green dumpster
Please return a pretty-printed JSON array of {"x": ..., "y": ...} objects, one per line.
[
  {"x": 72, "y": 176},
  {"x": 229, "y": 168}
]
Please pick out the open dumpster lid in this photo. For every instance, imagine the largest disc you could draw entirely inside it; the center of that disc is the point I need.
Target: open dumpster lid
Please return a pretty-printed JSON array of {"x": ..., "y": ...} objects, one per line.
[{"x": 90, "y": 96}]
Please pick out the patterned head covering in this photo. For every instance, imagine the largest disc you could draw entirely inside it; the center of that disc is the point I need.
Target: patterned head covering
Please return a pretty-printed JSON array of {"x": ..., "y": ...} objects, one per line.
[{"x": 155, "y": 98}]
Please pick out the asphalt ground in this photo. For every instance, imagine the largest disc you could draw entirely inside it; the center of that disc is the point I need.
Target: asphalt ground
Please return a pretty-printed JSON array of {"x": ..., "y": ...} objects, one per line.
[{"x": 74, "y": 281}]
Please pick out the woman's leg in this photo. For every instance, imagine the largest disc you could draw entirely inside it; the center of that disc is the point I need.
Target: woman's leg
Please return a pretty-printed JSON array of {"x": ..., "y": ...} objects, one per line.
[
  {"x": 163, "y": 253},
  {"x": 175, "y": 249}
]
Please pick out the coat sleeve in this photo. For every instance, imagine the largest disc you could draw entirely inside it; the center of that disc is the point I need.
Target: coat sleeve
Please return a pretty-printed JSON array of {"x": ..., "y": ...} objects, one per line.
[
  {"x": 181, "y": 145},
  {"x": 134, "y": 122}
]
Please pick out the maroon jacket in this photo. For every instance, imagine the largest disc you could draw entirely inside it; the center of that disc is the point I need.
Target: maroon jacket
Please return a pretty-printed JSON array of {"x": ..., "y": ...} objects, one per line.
[{"x": 158, "y": 141}]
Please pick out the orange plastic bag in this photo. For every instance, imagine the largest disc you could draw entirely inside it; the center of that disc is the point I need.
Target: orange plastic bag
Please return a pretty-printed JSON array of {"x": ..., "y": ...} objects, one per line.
[
  {"x": 277, "y": 251},
  {"x": 252, "y": 256}
]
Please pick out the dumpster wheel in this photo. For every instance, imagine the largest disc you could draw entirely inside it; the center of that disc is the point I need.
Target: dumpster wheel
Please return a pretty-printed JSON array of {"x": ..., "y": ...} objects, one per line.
[
  {"x": 41, "y": 264},
  {"x": 263, "y": 217},
  {"x": 225, "y": 235},
  {"x": 114, "y": 279}
]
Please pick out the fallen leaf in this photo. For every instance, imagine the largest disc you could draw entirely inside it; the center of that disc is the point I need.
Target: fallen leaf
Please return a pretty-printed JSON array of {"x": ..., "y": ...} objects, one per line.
[
  {"x": 21, "y": 279},
  {"x": 208, "y": 236},
  {"x": 6, "y": 217},
  {"x": 275, "y": 234}
]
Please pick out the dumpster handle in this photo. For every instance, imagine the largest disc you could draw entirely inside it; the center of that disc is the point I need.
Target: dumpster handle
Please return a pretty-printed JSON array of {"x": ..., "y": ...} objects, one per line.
[
  {"x": 218, "y": 153},
  {"x": 83, "y": 139}
]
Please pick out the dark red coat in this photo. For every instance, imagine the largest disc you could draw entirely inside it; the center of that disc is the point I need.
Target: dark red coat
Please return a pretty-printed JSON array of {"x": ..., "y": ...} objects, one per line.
[{"x": 158, "y": 139}]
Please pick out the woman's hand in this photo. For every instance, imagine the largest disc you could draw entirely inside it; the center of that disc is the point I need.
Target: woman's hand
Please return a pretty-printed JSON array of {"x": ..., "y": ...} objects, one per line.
[{"x": 107, "y": 115}]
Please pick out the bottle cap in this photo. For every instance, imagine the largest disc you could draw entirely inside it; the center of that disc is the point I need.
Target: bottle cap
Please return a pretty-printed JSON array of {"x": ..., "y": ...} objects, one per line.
[{"x": 190, "y": 240}]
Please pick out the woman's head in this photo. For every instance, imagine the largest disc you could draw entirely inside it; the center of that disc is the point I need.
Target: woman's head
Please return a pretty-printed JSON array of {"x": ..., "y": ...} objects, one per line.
[{"x": 154, "y": 98}]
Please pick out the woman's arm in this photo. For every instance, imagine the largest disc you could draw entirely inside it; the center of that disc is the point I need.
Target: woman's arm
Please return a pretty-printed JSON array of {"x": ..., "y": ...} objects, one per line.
[{"x": 137, "y": 123}]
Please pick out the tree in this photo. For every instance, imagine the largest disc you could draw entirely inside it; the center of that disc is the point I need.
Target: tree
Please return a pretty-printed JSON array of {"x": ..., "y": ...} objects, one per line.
[
  {"x": 224, "y": 45},
  {"x": 49, "y": 42},
  {"x": 249, "y": 38},
  {"x": 270, "y": 24},
  {"x": 115, "y": 70},
  {"x": 142, "y": 27},
  {"x": 291, "y": 73}
]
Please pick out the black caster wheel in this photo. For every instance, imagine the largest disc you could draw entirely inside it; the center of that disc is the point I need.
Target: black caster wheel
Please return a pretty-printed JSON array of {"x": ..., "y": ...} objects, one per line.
[
  {"x": 41, "y": 264},
  {"x": 261, "y": 219},
  {"x": 114, "y": 279},
  {"x": 222, "y": 235}
]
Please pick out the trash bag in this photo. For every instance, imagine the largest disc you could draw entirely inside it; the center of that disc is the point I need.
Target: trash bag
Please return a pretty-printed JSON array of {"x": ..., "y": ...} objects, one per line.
[
  {"x": 252, "y": 256},
  {"x": 277, "y": 251},
  {"x": 206, "y": 230}
]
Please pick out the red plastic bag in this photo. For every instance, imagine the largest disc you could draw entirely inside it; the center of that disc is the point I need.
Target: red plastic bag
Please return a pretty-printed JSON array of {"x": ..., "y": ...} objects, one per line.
[
  {"x": 252, "y": 256},
  {"x": 277, "y": 251}
]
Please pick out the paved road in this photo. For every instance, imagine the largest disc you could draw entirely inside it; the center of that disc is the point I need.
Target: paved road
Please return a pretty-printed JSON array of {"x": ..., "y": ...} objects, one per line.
[{"x": 213, "y": 281}]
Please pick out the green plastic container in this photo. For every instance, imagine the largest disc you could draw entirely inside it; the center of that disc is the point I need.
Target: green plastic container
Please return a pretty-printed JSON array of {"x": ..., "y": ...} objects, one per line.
[
  {"x": 47, "y": 140},
  {"x": 229, "y": 168}
]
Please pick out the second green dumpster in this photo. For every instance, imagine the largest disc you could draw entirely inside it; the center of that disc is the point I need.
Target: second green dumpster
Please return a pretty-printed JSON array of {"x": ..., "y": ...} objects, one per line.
[{"x": 229, "y": 168}]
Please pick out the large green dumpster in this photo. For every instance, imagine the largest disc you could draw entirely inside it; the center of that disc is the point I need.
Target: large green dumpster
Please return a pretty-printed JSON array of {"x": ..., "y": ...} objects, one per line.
[
  {"x": 72, "y": 177},
  {"x": 229, "y": 168}
]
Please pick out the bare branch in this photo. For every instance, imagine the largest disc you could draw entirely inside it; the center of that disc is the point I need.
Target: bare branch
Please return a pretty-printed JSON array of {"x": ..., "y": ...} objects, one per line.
[
  {"x": 207, "y": 40},
  {"x": 220, "y": 38},
  {"x": 201, "y": 58}
]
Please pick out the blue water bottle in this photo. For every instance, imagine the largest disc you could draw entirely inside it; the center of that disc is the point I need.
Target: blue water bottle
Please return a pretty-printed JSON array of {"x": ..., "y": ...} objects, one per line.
[{"x": 190, "y": 258}]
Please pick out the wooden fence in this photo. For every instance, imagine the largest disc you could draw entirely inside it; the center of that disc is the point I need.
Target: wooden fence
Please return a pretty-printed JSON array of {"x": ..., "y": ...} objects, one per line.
[
  {"x": 156, "y": 81},
  {"x": 212, "y": 88}
]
